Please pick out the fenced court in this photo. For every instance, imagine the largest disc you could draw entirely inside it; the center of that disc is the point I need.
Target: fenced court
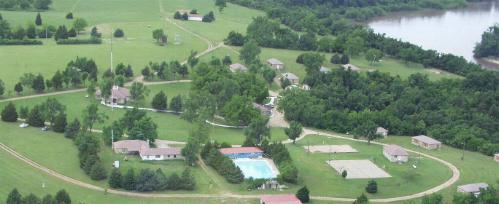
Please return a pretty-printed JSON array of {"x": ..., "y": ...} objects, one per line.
[
  {"x": 358, "y": 169},
  {"x": 330, "y": 148}
]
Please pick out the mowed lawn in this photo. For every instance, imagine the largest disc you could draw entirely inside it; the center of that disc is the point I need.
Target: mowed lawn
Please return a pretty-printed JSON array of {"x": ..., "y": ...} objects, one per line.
[
  {"x": 475, "y": 167},
  {"x": 27, "y": 180},
  {"x": 323, "y": 180},
  {"x": 232, "y": 18},
  {"x": 136, "y": 18}
]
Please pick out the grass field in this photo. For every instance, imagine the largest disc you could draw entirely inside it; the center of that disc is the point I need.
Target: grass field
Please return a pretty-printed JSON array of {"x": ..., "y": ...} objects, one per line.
[
  {"x": 136, "y": 18},
  {"x": 474, "y": 168},
  {"x": 404, "y": 181},
  {"x": 28, "y": 180}
]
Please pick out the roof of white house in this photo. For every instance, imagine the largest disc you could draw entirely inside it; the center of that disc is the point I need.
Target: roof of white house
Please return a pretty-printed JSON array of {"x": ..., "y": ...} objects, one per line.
[
  {"x": 426, "y": 139},
  {"x": 290, "y": 76},
  {"x": 496, "y": 154},
  {"x": 324, "y": 69},
  {"x": 117, "y": 92},
  {"x": 274, "y": 61},
  {"x": 472, "y": 187},
  {"x": 395, "y": 150},
  {"x": 238, "y": 67},
  {"x": 160, "y": 151},
  {"x": 131, "y": 145},
  {"x": 381, "y": 130}
]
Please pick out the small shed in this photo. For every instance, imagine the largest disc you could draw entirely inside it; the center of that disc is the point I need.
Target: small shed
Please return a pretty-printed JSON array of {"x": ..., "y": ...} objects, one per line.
[
  {"x": 351, "y": 67},
  {"x": 324, "y": 69},
  {"x": 238, "y": 68},
  {"x": 291, "y": 77},
  {"x": 382, "y": 131},
  {"x": 426, "y": 142},
  {"x": 472, "y": 188},
  {"x": 280, "y": 199},
  {"x": 194, "y": 17},
  {"x": 395, "y": 153},
  {"x": 242, "y": 152},
  {"x": 496, "y": 157},
  {"x": 275, "y": 63}
]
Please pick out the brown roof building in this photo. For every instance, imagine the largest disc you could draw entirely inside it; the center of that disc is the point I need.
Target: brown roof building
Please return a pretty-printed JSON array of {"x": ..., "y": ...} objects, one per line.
[
  {"x": 426, "y": 142},
  {"x": 236, "y": 67},
  {"x": 119, "y": 95},
  {"x": 395, "y": 153}
]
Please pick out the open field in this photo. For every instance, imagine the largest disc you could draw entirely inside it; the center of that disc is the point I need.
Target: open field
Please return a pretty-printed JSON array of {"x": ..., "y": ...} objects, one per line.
[
  {"x": 137, "y": 48},
  {"x": 405, "y": 179}
]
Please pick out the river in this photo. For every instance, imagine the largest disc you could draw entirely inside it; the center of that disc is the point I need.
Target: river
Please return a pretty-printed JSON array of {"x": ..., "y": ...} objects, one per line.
[{"x": 452, "y": 31}]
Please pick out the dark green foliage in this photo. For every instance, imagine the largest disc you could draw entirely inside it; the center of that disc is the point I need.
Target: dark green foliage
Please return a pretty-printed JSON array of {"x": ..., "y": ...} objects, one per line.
[
  {"x": 160, "y": 101},
  {"x": 18, "y": 88},
  {"x": 303, "y": 194},
  {"x": 281, "y": 156},
  {"x": 72, "y": 33},
  {"x": 176, "y": 103},
  {"x": 73, "y": 129},
  {"x": 372, "y": 187},
  {"x": 38, "y": 20},
  {"x": 185, "y": 16},
  {"x": 61, "y": 33},
  {"x": 210, "y": 17},
  {"x": 269, "y": 75},
  {"x": 226, "y": 60},
  {"x": 14, "y": 197},
  {"x": 177, "y": 15},
  {"x": 20, "y": 42},
  {"x": 48, "y": 199},
  {"x": 188, "y": 182},
  {"x": 60, "y": 123},
  {"x": 362, "y": 199},
  {"x": 294, "y": 131},
  {"x": 222, "y": 164},
  {"x": 249, "y": 52},
  {"x": 35, "y": 117},
  {"x": 115, "y": 179},
  {"x": 239, "y": 111},
  {"x": 31, "y": 31},
  {"x": 38, "y": 84},
  {"x": 129, "y": 180},
  {"x": 69, "y": 15},
  {"x": 31, "y": 199},
  {"x": 118, "y": 33},
  {"x": 79, "y": 41},
  {"x": 62, "y": 197},
  {"x": 9, "y": 113},
  {"x": 235, "y": 39},
  {"x": 257, "y": 130},
  {"x": 98, "y": 172},
  {"x": 489, "y": 45},
  {"x": 124, "y": 70},
  {"x": 344, "y": 174},
  {"x": 24, "y": 112},
  {"x": 95, "y": 33},
  {"x": 115, "y": 131},
  {"x": 335, "y": 59},
  {"x": 285, "y": 82},
  {"x": 145, "y": 181},
  {"x": 344, "y": 59}
]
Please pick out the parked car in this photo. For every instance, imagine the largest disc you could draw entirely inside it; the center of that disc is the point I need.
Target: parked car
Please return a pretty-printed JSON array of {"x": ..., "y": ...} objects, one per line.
[
  {"x": 45, "y": 128},
  {"x": 23, "y": 125}
]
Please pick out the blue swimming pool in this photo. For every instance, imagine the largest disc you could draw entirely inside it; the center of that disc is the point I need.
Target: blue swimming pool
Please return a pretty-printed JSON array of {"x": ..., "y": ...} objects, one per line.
[{"x": 255, "y": 168}]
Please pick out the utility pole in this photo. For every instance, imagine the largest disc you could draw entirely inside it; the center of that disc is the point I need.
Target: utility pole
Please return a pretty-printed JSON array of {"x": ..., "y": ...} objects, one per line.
[{"x": 112, "y": 105}]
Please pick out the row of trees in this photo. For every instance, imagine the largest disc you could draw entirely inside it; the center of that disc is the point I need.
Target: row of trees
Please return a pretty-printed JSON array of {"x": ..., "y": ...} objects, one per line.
[
  {"x": 460, "y": 112},
  {"x": 61, "y": 197},
  {"x": 280, "y": 155},
  {"x": 25, "y": 5},
  {"x": 148, "y": 180},
  {"x": 160, "y": 102},
  {"x": 165, "y": 70},
  {"x": 51, "y": 111},
  {"x": 135, "y": 123},
  {"x": 210, "y": 17},
  {"x": 222, "y": 164}
]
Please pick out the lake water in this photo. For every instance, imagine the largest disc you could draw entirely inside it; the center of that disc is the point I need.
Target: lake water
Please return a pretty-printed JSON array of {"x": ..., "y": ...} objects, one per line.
[{"x": 453, "y": 31}]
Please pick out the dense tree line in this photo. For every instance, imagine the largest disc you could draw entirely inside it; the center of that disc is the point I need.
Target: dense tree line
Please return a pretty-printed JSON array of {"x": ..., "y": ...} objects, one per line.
[
  {"x": 136, "y": 124},
  {"x": 489, "y": 45},
  {"x": 25, "y": 4},
  {"x": 165, "y": 71},
  {"x": 148, "y": 180},
  {"x": 222, "y": 164},
  {"x": 216, "y": 90},
  {"x": 51, "y": 111},
  {"x": 280, "y": 155},
  {"x": 61, "y": 197},
  {"x": 459, "y": 112}
]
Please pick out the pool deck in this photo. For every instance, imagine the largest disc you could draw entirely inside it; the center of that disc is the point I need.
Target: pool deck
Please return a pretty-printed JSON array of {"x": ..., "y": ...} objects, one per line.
[{"x": 270, "y": 162}]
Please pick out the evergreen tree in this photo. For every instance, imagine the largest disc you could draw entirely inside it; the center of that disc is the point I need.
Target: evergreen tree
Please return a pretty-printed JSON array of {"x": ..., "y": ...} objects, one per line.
[
  {"x": 161, "y": 180},
  {"x": 362, "y": 199},
  {"x": 188, "y": 182},
  {"x": 372, "y": 187},
  {"x": 335, "y": 59},
  {"x": 160, "y": 101},
  {"x": 18, "y": 88},
  {"x": 344, "y": 174},
  {"x": 38, "y": 20},
  {"x": 72, "y": 33},
  {"x": 72, "y": 129},
  {"x": 62, "y": 197},
  {"x": 118, "y": 33},
  {"x": 345, "y": 59},
  {"x": 115, "y": 179},
  {"x": 294, "y": 131},
  {"x": 35, "y": 117},
  {"x": 31, "y": 199},
  {"x": 174, "y": 182},
  {"x": 24, "y": 112},
  {"x": 177, "y": 15},
  {"x": 2, "y": 87},
  {"x": 129, "y": 180},
  {"x": 69, "y": 15},
  {"x": 31, "y": 31},
  {"x": 60, "y": 123},
  {"x": 226, "y": 60},
  {"x": 98, "y": 172},
  {"x": 14, "y": 197},
  {"x": 9, "y": 113},
  {"x": 38, "y": 84},
  {"x": 48, "y": 199},
  {"x": 303, "y": 194},
  {"x": 176, "y": 104}
]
